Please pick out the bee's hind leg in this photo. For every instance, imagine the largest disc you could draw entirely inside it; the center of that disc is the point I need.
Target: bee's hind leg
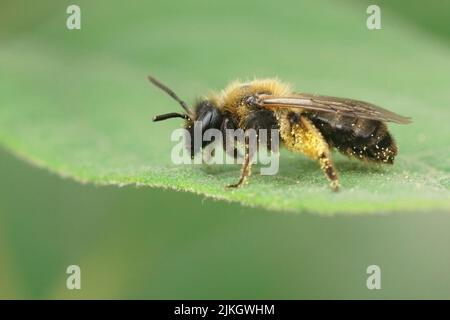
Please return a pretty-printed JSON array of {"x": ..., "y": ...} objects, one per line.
[
  {"x": 300, "y": 135},
  {"x": 330, "y": 172},
  {"x": 317, "y": 148}
]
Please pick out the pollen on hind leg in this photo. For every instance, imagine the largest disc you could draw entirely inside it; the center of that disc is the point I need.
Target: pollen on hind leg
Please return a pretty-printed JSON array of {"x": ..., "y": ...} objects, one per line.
[
  {"x": 328, "y": 168},
  {"x": 335, "y": 185}
]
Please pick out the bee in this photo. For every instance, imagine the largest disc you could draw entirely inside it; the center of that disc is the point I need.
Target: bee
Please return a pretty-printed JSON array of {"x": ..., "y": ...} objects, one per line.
[{"x": 306, "y": 123}]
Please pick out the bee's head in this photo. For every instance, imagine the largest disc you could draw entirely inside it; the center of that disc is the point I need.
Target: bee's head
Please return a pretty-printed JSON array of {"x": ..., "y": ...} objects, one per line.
[{"x": 204, "y": 116}]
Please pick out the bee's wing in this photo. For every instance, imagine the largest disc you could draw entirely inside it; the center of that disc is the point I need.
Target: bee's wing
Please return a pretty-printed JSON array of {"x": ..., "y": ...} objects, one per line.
[{"x": 345, "y": 107}]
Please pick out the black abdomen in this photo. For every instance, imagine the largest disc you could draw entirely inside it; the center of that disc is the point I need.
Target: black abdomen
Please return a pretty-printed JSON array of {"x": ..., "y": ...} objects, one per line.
[{"x": 361, "y": 138}]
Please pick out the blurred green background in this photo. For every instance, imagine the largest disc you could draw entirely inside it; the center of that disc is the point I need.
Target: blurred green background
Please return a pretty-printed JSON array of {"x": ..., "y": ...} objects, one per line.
[{"x": 150, "y": 243}]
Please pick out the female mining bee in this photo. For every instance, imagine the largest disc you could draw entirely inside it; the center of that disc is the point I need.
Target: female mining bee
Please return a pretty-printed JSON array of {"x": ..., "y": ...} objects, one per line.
[{"x": 307, "y": 123}]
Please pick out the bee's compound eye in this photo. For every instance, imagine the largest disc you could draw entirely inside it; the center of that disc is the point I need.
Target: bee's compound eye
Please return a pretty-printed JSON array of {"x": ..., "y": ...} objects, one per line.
[{"x": 209, "y": 116}]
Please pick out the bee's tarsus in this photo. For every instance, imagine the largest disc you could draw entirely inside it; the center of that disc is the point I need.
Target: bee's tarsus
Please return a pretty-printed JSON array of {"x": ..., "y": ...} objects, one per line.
[
  {"x": 233, "y": 186},
  {"x": 334, "y": 186}
]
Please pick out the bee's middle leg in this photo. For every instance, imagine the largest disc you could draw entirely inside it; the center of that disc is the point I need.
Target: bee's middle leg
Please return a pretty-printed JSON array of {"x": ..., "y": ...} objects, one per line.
[
  {"x": 255, "y": 121},
  {"x": 246, "y": 165}
]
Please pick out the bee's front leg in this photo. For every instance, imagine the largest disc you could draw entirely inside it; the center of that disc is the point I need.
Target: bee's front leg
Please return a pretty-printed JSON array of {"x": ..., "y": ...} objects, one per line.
[{"x": 230, "y": 143}]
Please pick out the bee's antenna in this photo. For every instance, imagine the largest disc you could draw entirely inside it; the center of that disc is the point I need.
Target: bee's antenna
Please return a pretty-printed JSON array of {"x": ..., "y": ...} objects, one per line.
[
  {"x": 170, "y": 93},
  {"x": 170, "y": 115}
]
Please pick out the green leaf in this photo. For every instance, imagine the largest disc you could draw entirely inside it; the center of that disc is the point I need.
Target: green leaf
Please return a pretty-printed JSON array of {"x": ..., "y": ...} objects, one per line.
[{"x": 78, "y": 102}]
